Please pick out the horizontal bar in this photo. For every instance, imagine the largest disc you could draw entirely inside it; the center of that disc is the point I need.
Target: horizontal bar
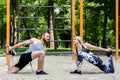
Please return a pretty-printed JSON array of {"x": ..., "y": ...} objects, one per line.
[
  {"x": 55, "y": 29},
  {"x": 44, "y": 6},
  {"x": 59, "y": 40},
  {"x": 41, "y": 29},
  {"x": 54, "y": 18},
  {"x": 54, "y": 40},
  {"x": 61, "y": 18},
  {"x": 27, "y": 29},
  {"x": 27, "y": 17}
]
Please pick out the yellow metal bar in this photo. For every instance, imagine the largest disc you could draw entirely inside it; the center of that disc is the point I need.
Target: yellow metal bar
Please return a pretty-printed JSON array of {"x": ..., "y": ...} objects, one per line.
[
  {"x": 73, "y": 25},
  {"x": 7, "y": 29},
  {"x": 117, "y": 26},
  {"x": 81, "y": 18}
]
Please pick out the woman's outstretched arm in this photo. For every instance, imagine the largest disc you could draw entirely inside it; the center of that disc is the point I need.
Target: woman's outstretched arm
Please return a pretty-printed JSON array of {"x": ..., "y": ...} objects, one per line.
[{"x": 97, "y": 48}]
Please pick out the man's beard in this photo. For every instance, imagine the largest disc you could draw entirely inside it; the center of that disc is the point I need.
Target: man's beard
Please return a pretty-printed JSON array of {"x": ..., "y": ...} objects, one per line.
[{"x": 44, "y": 40}]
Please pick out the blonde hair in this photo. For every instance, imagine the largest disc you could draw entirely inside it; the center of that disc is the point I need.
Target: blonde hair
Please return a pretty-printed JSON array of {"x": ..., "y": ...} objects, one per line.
[{"x": 80, "y": 40}]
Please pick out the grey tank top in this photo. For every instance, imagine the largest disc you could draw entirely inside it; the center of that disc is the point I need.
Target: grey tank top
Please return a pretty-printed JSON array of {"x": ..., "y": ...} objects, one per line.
[{"x": 35, "y": 47}]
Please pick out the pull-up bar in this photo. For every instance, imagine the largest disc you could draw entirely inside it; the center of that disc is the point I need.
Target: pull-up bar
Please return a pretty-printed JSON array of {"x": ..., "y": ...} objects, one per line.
[
  {"x": 73, "y": 25},
  {"x": 7, "y": 29},
  {"x": 81, "y": 18},
  {"x": 117, "y": 26},
  {"x": 73, "y": 21}
]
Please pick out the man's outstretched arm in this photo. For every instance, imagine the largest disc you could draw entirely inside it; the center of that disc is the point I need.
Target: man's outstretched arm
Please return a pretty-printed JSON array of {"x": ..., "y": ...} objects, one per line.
[{"x": 26, "y": 42}]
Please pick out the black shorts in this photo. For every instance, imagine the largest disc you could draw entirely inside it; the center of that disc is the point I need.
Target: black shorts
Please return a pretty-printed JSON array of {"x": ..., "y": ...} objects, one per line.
[{"x": 24, "y": 60}]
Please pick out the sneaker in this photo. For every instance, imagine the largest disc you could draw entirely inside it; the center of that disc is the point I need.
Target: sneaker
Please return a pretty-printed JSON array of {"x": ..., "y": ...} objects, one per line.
[
  {"x": 12, "y": 53},
  {"x": 41, "y": 73},
  {"x": 108, "y": 54},
  {"x": 75, "y": 72}
]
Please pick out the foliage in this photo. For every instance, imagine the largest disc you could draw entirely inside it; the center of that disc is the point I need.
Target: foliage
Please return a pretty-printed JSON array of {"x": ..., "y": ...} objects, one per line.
[{"x": 2, "y": 22}]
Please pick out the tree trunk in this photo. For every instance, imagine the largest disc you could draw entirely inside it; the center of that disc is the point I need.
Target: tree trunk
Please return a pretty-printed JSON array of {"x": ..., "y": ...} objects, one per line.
[
  {"x": 50, "y": 23},
  {"x": 105, "y": 29},
  {"x": 13, "y": 35},
  {"x": 14, "y": 23}
]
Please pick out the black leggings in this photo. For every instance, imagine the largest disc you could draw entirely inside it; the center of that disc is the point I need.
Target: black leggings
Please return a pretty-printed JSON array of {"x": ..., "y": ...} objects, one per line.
[
  {"x": 95, "y": 60},
  {"x": 106, "y": 68}
]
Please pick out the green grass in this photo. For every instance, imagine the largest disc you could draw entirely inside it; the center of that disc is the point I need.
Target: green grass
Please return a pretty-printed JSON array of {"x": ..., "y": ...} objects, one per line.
[{"x": 22, "y": 49}]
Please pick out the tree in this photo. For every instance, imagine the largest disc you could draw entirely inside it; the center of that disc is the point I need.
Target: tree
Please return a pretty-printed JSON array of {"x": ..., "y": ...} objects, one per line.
[
  {"x": 13, "y": 22},
  {"x": 51, "y": 23},
  {"x": 105, "y": 11}
]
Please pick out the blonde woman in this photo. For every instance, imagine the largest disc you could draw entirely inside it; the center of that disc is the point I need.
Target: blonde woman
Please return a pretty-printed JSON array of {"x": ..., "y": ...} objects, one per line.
[{"x": 83, "y": 51}]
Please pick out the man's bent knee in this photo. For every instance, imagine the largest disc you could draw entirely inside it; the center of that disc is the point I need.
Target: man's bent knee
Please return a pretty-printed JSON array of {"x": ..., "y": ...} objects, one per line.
[
  {"x": 42, "y": 54},
  {"x": 36, "y": 54}
]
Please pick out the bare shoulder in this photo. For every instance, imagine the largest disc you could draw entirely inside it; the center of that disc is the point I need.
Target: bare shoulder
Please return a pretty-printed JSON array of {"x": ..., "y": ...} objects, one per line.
[
  {"x": 34, "y": 39},
  {"x": 86, "y": 44}
]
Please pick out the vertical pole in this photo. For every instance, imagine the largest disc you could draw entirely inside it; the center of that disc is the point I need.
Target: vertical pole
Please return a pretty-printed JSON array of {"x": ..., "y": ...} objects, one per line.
[
  {"x": 73, "y": 25},
  {"x": 81, "y": 18},
  {"x": 117, "y": 26},
  {"x": 7, "y": 29}
]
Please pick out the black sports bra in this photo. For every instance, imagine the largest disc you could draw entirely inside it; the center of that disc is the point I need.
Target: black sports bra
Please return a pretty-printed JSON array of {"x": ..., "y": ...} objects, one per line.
[{"x": 84, "y": 49}]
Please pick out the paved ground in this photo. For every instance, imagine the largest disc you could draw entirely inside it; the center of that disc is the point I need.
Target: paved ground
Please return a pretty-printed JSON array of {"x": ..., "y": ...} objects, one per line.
[{"x": 58, "y": 68}]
